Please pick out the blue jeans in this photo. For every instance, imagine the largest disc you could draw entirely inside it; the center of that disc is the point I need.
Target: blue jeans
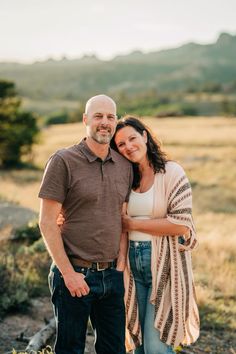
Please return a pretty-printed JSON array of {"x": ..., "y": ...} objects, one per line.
[
  {"x": 105, "y": 305},
  {"x": 140, "y": 264}
]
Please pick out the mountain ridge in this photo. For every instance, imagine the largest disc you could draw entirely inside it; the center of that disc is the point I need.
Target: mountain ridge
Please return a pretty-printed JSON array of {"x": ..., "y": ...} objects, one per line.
[{"x": 168, "y": 70}]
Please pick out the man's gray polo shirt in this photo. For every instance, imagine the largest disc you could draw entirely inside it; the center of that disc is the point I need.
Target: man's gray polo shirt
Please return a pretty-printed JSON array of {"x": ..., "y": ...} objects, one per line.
[{"x": 91, "y": 192}]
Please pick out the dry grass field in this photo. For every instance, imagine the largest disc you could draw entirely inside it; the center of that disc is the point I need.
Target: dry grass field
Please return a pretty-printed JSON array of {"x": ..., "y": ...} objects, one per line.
[{"x": 206, "y": 148}]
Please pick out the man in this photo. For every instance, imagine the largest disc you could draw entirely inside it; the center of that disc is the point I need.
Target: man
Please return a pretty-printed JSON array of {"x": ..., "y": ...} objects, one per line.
[{"x": 90, "y": 183}]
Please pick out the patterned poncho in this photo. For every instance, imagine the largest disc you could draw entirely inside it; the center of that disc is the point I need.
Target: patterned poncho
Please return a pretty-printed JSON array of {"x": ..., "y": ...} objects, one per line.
[{"x": 173, "y": 292}]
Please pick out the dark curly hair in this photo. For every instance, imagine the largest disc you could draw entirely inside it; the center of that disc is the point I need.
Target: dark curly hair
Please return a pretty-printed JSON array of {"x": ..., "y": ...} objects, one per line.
[{"x": 156, "y": 157}]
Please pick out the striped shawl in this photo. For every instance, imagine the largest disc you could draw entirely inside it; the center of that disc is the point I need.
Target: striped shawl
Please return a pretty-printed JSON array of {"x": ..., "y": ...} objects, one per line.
[{"x": 173, "y": 292}]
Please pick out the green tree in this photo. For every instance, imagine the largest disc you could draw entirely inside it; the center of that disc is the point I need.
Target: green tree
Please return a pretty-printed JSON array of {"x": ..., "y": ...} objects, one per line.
[
  {"x": 18, "y": 129},
  {"x": 228, "y": 107}
]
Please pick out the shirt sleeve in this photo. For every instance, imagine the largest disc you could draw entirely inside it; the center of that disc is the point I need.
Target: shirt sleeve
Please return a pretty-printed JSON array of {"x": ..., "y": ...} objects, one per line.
[{"x": 55, "y": 183}]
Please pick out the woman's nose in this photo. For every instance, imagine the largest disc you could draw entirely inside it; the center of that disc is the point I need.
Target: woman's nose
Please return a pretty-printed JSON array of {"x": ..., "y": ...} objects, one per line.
[{"x": 128, "y": 145}]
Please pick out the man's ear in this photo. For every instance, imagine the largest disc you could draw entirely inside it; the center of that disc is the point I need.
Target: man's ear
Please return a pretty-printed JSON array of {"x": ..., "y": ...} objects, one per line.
[{"x": 85, "y": 119}]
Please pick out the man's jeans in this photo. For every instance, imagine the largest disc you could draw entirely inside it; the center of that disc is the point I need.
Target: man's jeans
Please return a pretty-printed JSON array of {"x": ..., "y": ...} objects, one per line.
[
  {"x": 105, "y": 304},
  {"x": 140, "y": 263}
]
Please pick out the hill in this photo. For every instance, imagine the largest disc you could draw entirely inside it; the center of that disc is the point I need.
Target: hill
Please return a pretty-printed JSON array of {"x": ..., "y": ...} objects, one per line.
[{"x": 191, "y": 67}]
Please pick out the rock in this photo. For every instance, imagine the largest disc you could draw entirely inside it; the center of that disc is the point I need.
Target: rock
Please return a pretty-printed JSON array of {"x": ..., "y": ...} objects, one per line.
[{"x": 12, "y": 217}]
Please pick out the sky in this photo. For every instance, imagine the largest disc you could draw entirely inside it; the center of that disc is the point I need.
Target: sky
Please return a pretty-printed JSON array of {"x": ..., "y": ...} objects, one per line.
[{"x": 32, "y": 30}]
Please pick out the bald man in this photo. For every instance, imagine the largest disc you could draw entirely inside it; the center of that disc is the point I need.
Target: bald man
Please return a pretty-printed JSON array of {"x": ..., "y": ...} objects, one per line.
[{"x": 90, "y": 183}]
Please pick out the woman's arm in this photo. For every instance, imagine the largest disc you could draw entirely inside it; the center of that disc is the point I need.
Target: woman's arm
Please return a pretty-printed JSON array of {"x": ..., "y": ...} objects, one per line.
[
  {"x": 121, "y": 260},
  {"x": 157, "y": 227}
]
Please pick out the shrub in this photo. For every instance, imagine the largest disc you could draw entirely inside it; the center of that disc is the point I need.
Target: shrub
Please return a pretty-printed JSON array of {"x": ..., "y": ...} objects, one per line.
[
  {"x": 57, "y": 118},
  {"x": 18, "y": 129},
  {"x": 24, "y": 264},
  {"x": 29, "y": 233},
  {"x": 13, "y": 292}
]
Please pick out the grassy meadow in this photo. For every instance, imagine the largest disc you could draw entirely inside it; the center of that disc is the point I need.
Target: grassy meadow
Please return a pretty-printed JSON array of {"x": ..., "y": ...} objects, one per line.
[{"x": 206, "y": 148}]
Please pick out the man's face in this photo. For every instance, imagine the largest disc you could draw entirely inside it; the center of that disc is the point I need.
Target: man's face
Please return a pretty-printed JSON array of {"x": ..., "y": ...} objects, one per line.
[{"x": 101, "y": 121}]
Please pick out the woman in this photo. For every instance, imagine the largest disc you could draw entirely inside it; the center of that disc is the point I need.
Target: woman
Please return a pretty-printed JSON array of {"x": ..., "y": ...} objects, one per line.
[{"x": 160, "y": 297}]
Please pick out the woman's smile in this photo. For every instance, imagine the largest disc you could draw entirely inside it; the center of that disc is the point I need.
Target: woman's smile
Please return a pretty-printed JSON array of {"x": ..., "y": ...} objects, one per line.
[{"x": 131, "y": 144}]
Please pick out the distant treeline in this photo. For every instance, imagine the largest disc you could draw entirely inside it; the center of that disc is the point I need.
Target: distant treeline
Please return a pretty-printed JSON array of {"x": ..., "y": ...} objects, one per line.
[{"x": 152, "y": 104}]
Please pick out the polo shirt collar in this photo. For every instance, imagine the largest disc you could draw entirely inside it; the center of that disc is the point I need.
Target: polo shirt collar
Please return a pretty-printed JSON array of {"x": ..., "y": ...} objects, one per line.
[{"x": 92, "y": 157}]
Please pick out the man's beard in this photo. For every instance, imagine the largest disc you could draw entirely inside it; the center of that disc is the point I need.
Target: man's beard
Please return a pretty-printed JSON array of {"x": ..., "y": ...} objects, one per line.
[{"x": 101, "y": 139}]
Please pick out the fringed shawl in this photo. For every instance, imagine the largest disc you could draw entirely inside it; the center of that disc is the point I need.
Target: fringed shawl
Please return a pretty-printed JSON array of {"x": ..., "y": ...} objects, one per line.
[{"x": 173, "y": 292}]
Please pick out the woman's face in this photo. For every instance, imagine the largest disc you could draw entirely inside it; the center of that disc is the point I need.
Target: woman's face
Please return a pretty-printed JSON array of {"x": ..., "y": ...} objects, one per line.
[{"x": 131, "y": 144}]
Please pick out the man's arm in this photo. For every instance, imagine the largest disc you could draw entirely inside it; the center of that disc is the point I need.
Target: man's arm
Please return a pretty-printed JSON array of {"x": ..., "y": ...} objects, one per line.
[{"x": 49, "y": 211}]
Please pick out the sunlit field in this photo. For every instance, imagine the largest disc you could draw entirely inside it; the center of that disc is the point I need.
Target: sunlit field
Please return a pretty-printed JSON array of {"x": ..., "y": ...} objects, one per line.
[{"x": 206, "y": 148}]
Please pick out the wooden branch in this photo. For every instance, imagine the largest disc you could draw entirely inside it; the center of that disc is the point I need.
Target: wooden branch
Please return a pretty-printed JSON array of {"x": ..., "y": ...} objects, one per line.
[
  {"x": 23, "y": 338},
  {"x": 38, "y": 341}
]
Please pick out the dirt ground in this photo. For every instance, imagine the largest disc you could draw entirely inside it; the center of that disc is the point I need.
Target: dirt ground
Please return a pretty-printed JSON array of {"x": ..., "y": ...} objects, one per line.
[
  {"x": 25, "y": 325},
  {"x": 16, "y": 329}
]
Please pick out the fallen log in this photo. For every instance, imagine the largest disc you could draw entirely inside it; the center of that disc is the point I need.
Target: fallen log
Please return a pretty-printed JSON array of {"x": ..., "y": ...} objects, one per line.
[
  {"x": 23, "y": 338},
  {"x": 39, "y": 340}
]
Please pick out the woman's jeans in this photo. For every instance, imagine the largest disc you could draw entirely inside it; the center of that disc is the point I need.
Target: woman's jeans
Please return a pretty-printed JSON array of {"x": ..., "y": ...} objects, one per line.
[
  {"x": 104, "y": 304},
  {"x": 140, "y": 264}
]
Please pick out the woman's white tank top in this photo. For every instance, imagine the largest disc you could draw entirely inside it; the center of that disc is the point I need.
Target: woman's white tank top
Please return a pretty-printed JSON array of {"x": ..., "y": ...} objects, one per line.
[{"x": 140, "y": 206}]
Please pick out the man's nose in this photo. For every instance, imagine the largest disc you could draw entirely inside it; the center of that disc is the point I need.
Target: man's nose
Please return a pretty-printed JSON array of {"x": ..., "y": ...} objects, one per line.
[{"x": 104, "y": 119}]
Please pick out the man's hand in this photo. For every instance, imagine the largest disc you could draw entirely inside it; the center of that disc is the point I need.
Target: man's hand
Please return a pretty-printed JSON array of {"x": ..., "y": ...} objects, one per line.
[{"x": 76, "y": 284}]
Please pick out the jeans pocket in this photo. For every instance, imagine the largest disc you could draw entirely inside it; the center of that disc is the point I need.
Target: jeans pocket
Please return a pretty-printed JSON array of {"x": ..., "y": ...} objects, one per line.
[
  {"x": 82, "y": 270},
  {"x": 146, "y": 258},
  {"x": 119, "y": 271},
  {"x": 118, "y": 282},
  {"x": 55, "y": 283}
]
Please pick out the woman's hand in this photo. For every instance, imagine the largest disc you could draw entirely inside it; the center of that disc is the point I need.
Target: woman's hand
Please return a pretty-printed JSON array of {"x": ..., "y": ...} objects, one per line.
[
  {"x": 127, "y": 223},
  {"x": 121, "y": 263},
  {"x": 60, "y": 220}
]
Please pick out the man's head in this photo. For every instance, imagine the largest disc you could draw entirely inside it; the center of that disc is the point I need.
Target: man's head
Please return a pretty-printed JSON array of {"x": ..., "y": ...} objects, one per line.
[{"x": 100, "y": 118}]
